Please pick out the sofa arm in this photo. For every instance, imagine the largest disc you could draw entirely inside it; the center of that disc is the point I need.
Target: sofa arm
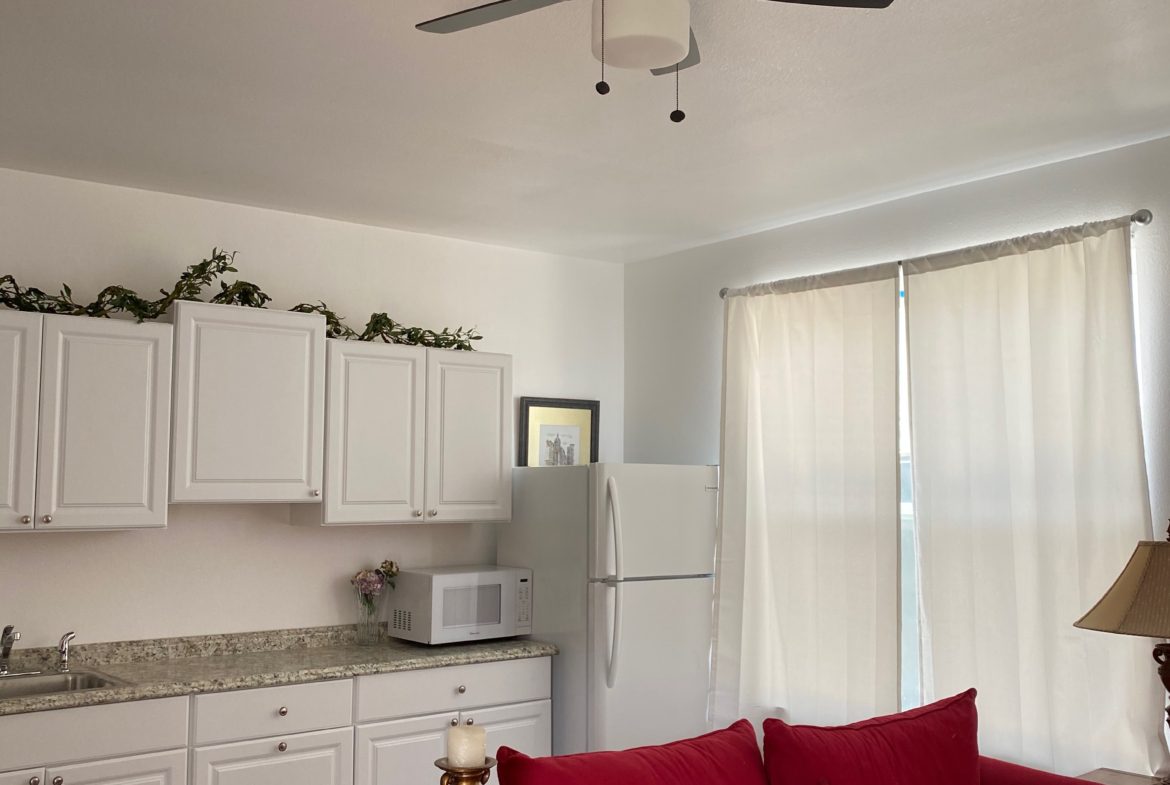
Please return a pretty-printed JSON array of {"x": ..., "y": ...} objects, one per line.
[{"x": 998, "y": 772}]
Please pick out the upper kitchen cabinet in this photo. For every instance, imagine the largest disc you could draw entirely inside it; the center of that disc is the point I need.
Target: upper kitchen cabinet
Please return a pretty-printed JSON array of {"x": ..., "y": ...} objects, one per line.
[
  {"x": 415, "y": 435},
  {"x": 249, "y": 404},
  {"x": 20, "y": 383},
  {"x": 95, "y": 449},
  {"x": 469, "y": 436}
]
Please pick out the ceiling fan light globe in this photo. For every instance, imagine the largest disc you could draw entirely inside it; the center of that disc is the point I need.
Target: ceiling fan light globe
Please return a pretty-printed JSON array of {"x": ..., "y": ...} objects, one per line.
[{"x": 643, "y": 34}]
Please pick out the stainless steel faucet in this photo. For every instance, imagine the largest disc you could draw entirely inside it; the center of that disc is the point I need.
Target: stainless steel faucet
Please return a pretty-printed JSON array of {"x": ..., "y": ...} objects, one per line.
[
  {"x": 9, "y": 637},
  {"x": 63, "y": 650}
]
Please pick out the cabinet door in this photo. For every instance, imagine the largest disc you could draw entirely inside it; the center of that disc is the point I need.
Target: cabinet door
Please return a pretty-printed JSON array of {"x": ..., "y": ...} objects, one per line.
[
  {"x": 402, "y": 752},
  {"x": 20, "y": 369},
  {"x": 319, "y": 758},
  {"x": 23, "y": 777},
  {"x": 375, "y": 427},
  {"x": 526, "y": 727},
  {"x": 469, "y": 436},
  {"x": 160, "y": 768},
  {"x": 249, "y": 404},
  {"x": 104, "y": 425}
]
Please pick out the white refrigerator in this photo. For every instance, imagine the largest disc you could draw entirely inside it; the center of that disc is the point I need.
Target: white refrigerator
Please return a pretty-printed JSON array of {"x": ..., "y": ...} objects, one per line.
[{"x": 623, "y": 558}]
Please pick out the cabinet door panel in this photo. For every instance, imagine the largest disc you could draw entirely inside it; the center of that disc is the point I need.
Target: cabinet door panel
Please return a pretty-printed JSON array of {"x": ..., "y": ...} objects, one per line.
[
  {"x": 526, "y": 727},
  {"x": 249, "y": 404},
  {"x": 469, "y": 436},
  {"x": 161, "y": 768},
  {"x": 375, "y": 433},
  {"x": 402, "y": 752},
  {"x": 20, "y": 369},
  {"x": 104, "y": 425},
  {"x": 23, "y": 777},
  {"x": 319, "y": 758}
]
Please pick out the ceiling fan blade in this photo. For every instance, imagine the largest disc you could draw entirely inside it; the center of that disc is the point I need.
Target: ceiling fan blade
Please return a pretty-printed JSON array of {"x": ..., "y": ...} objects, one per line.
[
  {"x": 692, "y": 58},
  {"x": 482, "y": 15},
  {"x": 842, "y": 3}
]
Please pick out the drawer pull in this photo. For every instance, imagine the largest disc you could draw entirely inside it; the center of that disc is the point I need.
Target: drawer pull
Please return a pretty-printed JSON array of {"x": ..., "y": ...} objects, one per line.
[
  {"x": 281, "y": 747},
  {"x": 454, "y": 721},
  {"x": 58, "y": 780},
  {"x": 34, "y": 781},
  {"x": 469, "y": 721},
  {"x": 462, "y": 688},
  {"x": 283, "y": 711}
]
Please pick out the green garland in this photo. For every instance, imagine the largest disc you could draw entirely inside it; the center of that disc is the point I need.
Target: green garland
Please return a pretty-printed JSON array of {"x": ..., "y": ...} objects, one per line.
[{"x": 196, "y": 278}]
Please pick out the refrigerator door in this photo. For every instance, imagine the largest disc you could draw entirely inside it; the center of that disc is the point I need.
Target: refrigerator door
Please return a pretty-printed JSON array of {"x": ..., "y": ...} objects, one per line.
[
  {"x": 652, "y": 520},
  {"x": 650, "y": 685}
]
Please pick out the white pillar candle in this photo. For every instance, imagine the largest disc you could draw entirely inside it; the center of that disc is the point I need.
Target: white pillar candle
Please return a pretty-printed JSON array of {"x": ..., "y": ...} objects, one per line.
[{"x": 466, "y": 746}]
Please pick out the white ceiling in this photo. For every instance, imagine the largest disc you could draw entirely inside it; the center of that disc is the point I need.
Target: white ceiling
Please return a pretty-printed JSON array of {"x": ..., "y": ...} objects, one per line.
[{"x": 342, "y": 109}]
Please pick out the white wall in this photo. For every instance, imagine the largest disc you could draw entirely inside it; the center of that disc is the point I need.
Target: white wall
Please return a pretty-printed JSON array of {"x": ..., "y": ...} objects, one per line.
[
  {"x": 674, "y": 315},
  {"x": 241, "y": 567}
]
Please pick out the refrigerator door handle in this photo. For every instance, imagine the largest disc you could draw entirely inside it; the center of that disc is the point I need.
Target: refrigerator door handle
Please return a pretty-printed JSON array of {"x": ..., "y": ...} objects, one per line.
[
  {"x": 615, "y": 508},
  {"x": 616, "y": 640}
]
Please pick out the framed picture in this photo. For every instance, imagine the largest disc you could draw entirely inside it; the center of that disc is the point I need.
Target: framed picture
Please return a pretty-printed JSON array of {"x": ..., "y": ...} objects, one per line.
[{"x": 558, "y": 432}]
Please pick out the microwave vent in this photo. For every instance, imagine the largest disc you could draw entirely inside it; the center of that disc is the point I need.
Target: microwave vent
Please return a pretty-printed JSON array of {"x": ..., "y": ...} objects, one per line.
[{"x": 402, "y": 620}]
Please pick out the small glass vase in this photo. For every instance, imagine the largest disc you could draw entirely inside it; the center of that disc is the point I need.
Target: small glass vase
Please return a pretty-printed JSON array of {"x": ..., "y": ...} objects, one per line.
[{"x": 369, "y": 619}]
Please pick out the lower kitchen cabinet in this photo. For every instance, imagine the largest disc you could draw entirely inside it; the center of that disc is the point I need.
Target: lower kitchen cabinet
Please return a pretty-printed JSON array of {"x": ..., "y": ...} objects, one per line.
[
  {"x": 161, "y": 768},
  {"x": 403, "y": 752},
  {"x": 317, "y": 758}
]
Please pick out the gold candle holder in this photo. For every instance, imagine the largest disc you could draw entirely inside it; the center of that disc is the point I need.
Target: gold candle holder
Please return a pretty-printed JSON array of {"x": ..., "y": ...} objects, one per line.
[{"x": 458, "y": 775}]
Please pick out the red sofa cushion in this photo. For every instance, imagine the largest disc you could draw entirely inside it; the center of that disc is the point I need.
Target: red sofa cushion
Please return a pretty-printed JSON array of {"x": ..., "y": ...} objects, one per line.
[
  {"x": 724, "y": 757},
  {"x": 923, "y": 746}
]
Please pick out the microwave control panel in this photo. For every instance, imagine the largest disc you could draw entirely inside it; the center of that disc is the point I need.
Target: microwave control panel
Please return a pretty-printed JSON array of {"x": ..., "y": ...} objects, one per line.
[{"x": 524, "y": 603}]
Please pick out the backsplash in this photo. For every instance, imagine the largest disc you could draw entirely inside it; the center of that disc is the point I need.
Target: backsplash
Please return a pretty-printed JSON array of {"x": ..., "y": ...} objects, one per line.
[{"x": 215, "y": 569}]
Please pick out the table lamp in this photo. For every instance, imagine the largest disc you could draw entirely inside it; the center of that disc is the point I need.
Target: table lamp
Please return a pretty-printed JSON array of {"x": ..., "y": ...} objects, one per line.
[{"x": 1138, "y": 603}]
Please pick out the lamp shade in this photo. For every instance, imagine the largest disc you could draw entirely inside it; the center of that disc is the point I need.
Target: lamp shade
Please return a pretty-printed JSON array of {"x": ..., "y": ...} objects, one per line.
[
  {"x": 1138, "y": 602},
  {"x": 643, "y": 33}
]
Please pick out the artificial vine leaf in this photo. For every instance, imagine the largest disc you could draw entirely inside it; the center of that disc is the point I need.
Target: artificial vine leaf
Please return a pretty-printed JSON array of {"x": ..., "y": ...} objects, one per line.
[{"x": 196, "y": 278}]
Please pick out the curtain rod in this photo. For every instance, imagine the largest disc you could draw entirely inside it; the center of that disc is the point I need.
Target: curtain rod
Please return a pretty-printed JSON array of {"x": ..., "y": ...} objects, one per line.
[{"x": 1142, "y": 217}]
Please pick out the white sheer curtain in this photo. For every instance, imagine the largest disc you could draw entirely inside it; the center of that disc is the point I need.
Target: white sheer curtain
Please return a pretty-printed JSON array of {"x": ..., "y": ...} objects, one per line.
[
  {"x": 808, "y": 598},
  {"x": 1030, "y": 493}
]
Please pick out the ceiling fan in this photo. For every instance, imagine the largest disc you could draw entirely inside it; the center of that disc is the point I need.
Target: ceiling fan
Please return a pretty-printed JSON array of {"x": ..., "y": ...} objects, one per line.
[{"x": 636, "y": 34}]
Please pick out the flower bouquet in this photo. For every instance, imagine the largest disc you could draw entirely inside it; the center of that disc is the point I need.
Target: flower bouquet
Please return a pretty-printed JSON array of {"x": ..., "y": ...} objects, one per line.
[{"x": 369, "y": 585}]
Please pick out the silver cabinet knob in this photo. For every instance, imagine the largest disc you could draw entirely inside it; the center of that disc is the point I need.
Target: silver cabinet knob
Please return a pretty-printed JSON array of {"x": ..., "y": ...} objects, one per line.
[
  {"x": 26, "y": 520},
  {"x": 416, "y": 513},
  {"x": 434, "y": 513},
  {"x": 34, "y": 781},
  {"x": 281, "y": 747},
  {"x": 47, "y": 519},
  {"x": 316, "y": 491},
  {"x": 58, "y": 781},
  {"x": 462, "y": 688},
  {"x": 469, "y": 721},
  {"x": 282, "y": 711},
  {"x": 454, "y": 721}
]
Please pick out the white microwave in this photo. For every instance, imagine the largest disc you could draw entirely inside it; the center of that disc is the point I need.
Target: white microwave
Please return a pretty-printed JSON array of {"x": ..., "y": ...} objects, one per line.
[{"x": 452, "y": 604}]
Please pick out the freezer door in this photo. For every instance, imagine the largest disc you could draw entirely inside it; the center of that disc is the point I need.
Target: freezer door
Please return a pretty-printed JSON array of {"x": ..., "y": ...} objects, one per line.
[
  {"x": 663, "y": 516},
  {"x": 651, "y": 686}
]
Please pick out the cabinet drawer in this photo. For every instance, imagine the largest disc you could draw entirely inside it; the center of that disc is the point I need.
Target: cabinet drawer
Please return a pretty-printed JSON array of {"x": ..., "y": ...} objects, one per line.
[
  {"x": 272, "y": 711},
  {"x": 407, "y": 693},
  {"x": 66, "y": 735},
  {"x": 23, "y": 777},
  {"x": 318, "y": 758}
]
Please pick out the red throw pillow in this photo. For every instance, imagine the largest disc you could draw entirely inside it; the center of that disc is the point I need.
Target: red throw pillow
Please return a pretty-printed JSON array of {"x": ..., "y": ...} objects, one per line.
[
  {"x": 924, "y": 746},
  {"x": 725, "y": 757}
]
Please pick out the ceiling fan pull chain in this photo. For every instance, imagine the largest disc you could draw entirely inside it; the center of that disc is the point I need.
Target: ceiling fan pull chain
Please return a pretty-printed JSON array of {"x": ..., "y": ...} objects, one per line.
[
  {"x": 678, "y": 115},
  {"x": 602, "y": 86}
]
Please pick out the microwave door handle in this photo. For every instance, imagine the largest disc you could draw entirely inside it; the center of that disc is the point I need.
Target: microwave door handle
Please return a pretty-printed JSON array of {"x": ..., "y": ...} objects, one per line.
[
  {"x": 615, "y": 507},
  {"x": 616, "y": 640}
]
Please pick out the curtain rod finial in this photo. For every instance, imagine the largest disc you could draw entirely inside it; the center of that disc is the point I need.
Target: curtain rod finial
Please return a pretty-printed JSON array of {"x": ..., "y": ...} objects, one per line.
[
  {"x": 1143, "y": 217},
  {"x": 723, "y": 293}
]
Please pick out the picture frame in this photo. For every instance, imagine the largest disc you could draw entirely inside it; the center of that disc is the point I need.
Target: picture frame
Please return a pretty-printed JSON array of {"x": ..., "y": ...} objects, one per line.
[{"x": 558, "y": 432}]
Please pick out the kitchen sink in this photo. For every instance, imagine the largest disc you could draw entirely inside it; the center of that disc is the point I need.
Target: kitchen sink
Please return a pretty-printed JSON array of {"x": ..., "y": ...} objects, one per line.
[{"x": 28, "y": 685}]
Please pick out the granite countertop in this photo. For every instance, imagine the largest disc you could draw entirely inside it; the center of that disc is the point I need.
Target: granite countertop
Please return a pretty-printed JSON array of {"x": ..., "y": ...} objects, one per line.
[{"x": 187, "y": 666}]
